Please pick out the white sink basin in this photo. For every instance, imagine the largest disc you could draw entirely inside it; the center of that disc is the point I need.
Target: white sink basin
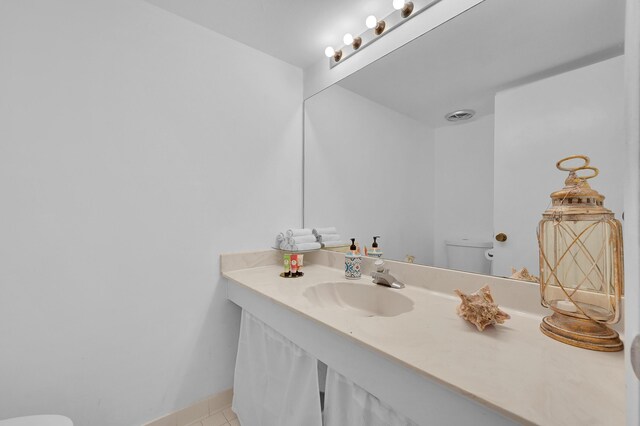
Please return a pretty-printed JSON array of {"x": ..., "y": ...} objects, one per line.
[{"x": 366, "y": 300}]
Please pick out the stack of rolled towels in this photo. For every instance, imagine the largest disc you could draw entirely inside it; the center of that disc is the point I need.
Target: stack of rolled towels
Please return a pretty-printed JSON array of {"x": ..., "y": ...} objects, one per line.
[
  {"x": 309, "y": 239},
  {"x": 328, "y": 237},
  {"x": 297, "y": 240}
]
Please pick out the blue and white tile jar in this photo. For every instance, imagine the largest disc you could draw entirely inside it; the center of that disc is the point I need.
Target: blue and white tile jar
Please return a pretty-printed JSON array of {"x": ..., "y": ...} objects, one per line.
[
  {"x": 375, "y": 253},
  {"x": 352, "y": 266}
]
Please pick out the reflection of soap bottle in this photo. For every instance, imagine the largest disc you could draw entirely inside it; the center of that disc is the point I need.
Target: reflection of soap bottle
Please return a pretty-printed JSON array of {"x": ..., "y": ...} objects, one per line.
[
  {"x": 352, "y": 262},
  {"x": 375, "y": 251}
]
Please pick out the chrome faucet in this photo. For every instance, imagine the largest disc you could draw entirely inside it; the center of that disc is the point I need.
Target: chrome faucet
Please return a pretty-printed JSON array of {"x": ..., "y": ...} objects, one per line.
[{"x": 382, "y": 276}]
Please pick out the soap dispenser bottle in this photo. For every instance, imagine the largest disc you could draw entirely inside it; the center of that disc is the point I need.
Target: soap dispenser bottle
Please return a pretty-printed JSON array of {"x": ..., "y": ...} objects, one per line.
[
  {"x": 353, "y": 262},
  {"x": 375, "y": 251}
]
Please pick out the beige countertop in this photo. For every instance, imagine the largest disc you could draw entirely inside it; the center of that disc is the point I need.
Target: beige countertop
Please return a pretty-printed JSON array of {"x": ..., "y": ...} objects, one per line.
[{"x": 512, "y": 367}]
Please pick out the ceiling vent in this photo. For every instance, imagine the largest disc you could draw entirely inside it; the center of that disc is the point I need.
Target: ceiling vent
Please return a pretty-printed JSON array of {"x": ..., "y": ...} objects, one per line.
[{"x": 460, "y": 115}]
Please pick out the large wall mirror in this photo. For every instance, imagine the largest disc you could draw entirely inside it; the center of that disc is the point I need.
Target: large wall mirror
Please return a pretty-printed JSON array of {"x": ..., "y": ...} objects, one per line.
[{"x": 545, "y": 79}]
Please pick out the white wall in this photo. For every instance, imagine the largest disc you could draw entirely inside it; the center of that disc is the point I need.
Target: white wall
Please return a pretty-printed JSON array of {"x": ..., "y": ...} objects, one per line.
[
  {"x": 135, "y": 147},
  {"x": 369, "y": 171},
  {"x": 463, "y": 184},
  {"x": 578, "y": 112}
]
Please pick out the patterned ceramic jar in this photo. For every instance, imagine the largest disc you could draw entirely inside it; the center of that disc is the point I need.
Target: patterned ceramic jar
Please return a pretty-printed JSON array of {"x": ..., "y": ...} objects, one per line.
[{"x": 352, "y": 266}]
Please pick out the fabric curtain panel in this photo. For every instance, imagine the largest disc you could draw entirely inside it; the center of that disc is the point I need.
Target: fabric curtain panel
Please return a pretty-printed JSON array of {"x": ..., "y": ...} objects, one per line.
[
  {"x": 346, "y": 403},
  {"x": 275, "y": 382}
]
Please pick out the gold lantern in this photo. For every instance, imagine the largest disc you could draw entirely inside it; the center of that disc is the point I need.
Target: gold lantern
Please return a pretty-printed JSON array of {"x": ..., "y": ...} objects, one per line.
[{"x": 581, "y": 267}]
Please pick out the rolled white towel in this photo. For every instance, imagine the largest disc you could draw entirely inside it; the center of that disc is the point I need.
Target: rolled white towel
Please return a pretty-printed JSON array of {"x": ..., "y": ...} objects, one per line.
[
  {"x": 298, "y": 232},
  {"x": 285, "y": 245},
  {"x": 302, "y": 239},
  {"x": 305, "y": 246},
  {"x": 335, "y": 244},
  {"x": 279, "y": 239},
  {"x": 324, "y": 238},
  {"x": 324, "y": 231}
]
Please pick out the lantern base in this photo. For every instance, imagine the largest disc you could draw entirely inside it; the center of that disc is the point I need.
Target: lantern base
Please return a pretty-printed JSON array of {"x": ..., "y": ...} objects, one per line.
[{"x": 583, "y": 333}]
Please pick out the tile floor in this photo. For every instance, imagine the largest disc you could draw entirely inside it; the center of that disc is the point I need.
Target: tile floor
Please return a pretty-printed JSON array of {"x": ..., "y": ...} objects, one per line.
[{"x": 224, "y": 417}]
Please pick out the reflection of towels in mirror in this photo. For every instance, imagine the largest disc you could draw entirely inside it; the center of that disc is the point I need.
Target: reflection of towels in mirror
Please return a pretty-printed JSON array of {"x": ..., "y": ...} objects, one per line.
[
  {"x": 335, "y": 244},
  {"x": 325, "y": 231},
  {"x": 302, "y": 239},
  {"x": 298, "y": 232},
  {"x": 325, "y": 238}
]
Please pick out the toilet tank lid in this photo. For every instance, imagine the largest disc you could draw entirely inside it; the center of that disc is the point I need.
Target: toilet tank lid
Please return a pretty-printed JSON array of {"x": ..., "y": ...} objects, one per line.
[
  {"x": 40, "y": 420},
  {"x": 468, "y": 242}
]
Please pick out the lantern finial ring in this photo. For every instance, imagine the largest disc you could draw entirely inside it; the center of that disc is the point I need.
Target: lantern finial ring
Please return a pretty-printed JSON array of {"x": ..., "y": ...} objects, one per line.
[
  {"x": 573, "y": 169},
  {"x": 593, "y": 169}
]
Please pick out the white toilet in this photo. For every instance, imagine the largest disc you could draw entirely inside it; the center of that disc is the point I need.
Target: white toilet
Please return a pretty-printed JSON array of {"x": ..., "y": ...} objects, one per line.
[
  {"x": 41, "y": 420},
  {"x": 464, "y": 254}
]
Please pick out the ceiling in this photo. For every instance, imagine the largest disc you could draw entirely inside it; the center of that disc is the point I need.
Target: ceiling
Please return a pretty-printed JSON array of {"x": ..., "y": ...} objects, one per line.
[
  {"x": 495, "y": 45},
  {"x": 295, "y": 31}
]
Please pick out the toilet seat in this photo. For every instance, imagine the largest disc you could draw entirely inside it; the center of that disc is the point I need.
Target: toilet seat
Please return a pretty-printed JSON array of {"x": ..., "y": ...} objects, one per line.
[{"x": 41, "y": 420}]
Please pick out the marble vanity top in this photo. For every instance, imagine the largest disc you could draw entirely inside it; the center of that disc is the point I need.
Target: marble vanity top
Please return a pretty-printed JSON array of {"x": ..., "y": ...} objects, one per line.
[{"x": 512, "y": 368}]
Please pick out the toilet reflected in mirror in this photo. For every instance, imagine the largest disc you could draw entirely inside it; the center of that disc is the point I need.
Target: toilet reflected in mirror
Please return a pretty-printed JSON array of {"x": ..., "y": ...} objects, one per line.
[{"x": 469, "y": 255}]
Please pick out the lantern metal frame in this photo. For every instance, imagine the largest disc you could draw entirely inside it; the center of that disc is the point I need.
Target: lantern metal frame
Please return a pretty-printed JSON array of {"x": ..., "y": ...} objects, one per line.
[{"x": 574, "y": 323}]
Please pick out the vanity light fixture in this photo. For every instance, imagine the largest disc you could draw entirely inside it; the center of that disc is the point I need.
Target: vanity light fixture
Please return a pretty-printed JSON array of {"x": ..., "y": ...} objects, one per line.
[
  {"x": 354, "y": 42},
  {"x": 405, "y": 7},
  {"x": 331, "y": 53},
  {"x": 404, "y": 10},
  {"x": 373, "y": 24}
]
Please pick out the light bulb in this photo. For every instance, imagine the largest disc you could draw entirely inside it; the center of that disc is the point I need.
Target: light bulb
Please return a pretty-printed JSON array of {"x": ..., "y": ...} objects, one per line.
[
  {"x": 348, "y": 38},
  {"x": 329, "y": 52},
  {"x": 398, "y": 4},
  {"x": 371, "y": 21}
]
